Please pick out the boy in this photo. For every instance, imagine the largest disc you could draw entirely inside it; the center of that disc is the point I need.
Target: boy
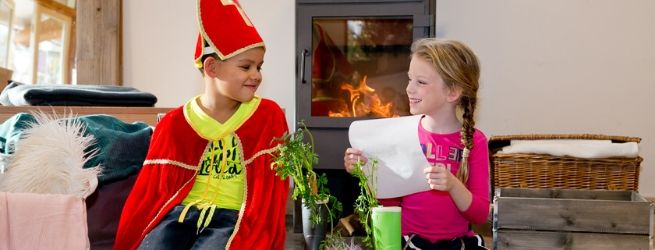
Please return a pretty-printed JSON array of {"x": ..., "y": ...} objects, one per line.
[{"x": 207, "y": 181}]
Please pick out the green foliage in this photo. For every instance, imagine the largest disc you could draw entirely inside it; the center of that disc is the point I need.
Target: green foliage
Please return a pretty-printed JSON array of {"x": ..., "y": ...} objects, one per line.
[
  {"x": 334, "y": 241},
  {"x": 295, "y": 159},
  {"x": 366, "y": 200}
]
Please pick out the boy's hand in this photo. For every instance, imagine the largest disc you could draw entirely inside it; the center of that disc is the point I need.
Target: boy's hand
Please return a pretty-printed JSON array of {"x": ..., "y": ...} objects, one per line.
[
  {"x": 440, "y": 178},
  {"x": 351, "y": 156}
]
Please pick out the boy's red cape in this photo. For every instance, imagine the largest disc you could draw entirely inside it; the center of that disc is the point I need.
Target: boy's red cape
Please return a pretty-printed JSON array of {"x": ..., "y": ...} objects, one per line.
[{"x": 170, "y": 170}]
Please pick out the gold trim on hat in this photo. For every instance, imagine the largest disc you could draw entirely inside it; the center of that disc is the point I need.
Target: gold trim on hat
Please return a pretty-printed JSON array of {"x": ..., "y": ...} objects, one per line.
[
  {"x": 239, "y": 9},
  {"x": 205, "y": 37}
]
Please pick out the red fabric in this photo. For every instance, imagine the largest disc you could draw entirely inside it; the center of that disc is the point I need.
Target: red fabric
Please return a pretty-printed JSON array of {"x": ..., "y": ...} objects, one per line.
[
  {"x": 199, "y": 44},
  {"x": 160, "y": 187},
  {"x": 225, "y": 25}
]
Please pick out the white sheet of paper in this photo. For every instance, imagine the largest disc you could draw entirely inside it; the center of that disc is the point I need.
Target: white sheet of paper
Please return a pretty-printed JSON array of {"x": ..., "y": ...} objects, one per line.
[{"x": 394, "y": 143}]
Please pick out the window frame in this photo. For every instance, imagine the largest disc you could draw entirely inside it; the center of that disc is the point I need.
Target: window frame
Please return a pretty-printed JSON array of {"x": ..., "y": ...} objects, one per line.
[{"x": 39, "y": 10}]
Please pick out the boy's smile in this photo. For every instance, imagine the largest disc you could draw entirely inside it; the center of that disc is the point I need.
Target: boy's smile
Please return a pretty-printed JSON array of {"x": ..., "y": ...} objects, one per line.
[
  {"x": 253, "y": 87},
  {"x": 239, "y": 77}
]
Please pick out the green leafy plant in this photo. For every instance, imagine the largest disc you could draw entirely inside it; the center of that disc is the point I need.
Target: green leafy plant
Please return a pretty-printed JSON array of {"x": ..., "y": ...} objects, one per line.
[
  {"x": 295, "y": 159},
  {"x": 366, "y": 200},
  {"x": 336, "y": 242}
]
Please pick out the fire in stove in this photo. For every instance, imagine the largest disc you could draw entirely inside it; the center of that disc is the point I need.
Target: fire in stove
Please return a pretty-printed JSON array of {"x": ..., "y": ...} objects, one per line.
[{"x": 363, "y": 102}]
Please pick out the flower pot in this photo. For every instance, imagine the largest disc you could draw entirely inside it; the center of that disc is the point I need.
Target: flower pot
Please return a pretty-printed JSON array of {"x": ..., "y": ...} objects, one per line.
[{"x": 314, "y": 234}]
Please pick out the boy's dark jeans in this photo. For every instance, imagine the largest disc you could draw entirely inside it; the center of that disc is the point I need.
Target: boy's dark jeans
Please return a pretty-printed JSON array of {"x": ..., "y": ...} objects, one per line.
[
  {"x": 469, "y": 243},
  {"x": 170, "y": 234}
]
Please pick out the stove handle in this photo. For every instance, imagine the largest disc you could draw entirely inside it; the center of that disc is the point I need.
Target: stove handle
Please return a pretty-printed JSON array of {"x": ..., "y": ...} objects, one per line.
[{"x": 303, "y": 54}]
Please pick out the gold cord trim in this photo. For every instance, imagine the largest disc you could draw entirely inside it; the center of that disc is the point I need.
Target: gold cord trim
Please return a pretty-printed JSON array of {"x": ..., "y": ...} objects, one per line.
[
  {"x": 260, "y": 153},
  {"x": 170, "y": 162},
  {"x": 193, "y": 178},
  {"x": 166, "y": 204},
  {"x": 245, "y": 193}
]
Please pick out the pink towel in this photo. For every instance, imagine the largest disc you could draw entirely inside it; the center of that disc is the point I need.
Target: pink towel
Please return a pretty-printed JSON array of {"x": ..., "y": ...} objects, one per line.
[{"x": 42, "y": 221}]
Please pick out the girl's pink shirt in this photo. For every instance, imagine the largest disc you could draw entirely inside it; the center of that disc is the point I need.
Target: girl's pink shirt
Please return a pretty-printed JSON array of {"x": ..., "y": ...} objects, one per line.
[{"x": 433, "y": 214}]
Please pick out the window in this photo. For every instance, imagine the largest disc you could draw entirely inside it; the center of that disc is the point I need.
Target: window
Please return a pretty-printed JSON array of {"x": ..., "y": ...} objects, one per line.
[
  {"x": 39, "y": 40},
  {"x": 6, "y": 17}
]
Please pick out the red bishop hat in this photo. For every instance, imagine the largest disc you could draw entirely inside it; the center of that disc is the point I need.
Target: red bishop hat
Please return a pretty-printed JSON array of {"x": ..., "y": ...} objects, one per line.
[{"x": 225, "y": 29}]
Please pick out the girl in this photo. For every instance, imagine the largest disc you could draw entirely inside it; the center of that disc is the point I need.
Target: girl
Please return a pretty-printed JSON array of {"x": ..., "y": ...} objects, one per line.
[{"x": 443, "y": 76}]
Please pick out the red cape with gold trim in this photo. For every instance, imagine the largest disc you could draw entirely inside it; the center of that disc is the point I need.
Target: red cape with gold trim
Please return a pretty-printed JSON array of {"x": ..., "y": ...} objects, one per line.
[{"x": 169, "y": 174}]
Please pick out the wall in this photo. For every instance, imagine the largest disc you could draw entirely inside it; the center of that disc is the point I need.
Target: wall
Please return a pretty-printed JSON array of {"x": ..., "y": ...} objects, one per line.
[
  {"x": 562, "y": 66},
  {"x": 559, "y": 66},
  {"x": 158, "y": 46},
  {"x": 159, "y": 42}
]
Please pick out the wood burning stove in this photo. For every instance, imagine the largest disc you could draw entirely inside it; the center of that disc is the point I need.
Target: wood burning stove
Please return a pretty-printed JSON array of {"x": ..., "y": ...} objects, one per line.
[
  {"x": 352, "y": 58},
  {"x": 352, "y": 61}
]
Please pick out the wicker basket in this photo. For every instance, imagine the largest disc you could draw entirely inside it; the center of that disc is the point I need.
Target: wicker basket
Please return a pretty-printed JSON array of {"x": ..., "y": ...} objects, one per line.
[{"x": 547, "y": 171}]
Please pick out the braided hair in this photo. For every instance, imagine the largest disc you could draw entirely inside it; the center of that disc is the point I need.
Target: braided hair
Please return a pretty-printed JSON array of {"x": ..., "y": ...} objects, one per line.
[{"x": 459, "y": 67}]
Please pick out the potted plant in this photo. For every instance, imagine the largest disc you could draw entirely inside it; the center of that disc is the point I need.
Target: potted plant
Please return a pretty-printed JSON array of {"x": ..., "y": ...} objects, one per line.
[{"x": 295, "y": 159}]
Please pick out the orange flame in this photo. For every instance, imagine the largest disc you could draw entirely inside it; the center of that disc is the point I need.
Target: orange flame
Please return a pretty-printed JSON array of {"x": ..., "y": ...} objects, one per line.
[{"x": 364, "y": 102}]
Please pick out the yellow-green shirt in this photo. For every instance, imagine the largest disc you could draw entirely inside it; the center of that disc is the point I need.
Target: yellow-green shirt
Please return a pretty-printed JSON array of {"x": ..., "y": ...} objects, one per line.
[{"x": 220, "y": 179}]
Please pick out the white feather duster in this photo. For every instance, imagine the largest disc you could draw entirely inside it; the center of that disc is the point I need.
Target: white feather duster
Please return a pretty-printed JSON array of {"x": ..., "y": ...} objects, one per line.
[{"x": 49, "y": 158}]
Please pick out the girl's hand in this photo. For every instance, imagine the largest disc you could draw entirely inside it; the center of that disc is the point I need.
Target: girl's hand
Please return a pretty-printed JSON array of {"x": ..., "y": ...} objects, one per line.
[
  {"x": 440, "y": 178},
  {"x": 351, "y": 156}
]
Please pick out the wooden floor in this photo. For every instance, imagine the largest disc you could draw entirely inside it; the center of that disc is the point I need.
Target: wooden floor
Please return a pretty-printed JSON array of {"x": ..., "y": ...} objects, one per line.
[
  {"x": 295, "y": 241},
  {"x": 485, "y": 231}
]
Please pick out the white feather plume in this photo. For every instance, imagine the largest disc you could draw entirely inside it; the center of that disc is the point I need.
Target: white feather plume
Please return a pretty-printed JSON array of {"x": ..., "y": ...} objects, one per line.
[{"x": 50, "y": 157}]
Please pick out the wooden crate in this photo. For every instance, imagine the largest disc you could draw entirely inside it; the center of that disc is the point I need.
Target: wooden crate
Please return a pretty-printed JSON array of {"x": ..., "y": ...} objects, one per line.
[{"x": 571, "y": 219}]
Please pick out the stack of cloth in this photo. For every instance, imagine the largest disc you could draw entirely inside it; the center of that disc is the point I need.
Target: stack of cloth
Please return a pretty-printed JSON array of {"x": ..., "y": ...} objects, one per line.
[
  {"x": 121, "y": 147},
  {"x": 42, "y": 221},
  {"x": 587, "y": 149},
  {"x": 19, "y": 94},
  {"x": 83, "y": 219}
]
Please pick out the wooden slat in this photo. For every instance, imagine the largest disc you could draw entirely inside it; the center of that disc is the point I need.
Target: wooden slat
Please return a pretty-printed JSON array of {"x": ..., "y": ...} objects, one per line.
[
  {"x": 510, "y": 239},
  {"x": 574, "y": 215},
  {"x": 99, "y": 59},
  {"x": 569, "y": 194},
  {"x": 126, "y": 114}
]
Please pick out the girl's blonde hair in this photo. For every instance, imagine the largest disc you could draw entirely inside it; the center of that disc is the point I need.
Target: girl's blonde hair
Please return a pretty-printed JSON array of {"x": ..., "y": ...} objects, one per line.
[{"x": 458, "y": 66}]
